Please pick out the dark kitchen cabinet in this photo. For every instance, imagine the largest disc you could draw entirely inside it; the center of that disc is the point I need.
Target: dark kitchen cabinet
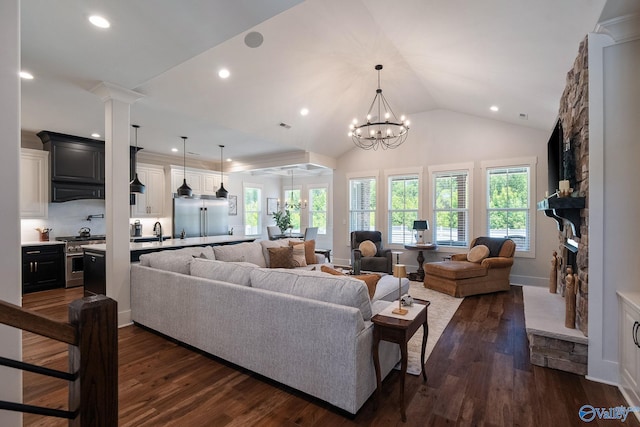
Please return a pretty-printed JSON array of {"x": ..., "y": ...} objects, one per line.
[
  {"x": 77, "y": 166},
  {"x": 42, "y": 267},
  {"x": 95, "y": 280}
]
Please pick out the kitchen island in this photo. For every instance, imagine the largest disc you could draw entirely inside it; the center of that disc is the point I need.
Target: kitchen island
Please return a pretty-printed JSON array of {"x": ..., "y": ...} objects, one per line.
[{"x": 94, "y": 255}]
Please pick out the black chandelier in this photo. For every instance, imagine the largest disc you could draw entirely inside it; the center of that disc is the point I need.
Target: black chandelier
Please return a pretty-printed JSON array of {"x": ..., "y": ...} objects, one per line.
[{"x": 382, "y": 130}]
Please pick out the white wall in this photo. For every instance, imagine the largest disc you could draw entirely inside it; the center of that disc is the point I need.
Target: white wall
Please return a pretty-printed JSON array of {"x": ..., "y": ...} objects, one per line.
[
  {"x": 10, "y": 287},
  {"x": 614, "y": 203},
  {"x": 444, "y": 137}
]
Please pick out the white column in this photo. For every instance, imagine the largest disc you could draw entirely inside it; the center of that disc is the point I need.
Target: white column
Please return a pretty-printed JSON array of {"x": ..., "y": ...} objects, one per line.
[
  {"x": 117, "y": 103},
  {"x": 10, "y": 289}
]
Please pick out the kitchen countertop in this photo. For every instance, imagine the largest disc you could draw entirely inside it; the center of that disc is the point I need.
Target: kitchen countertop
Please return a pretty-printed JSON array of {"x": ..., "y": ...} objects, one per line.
[
  {"x": 39, "y": 243},
  {"x": 173, "y": 243}
]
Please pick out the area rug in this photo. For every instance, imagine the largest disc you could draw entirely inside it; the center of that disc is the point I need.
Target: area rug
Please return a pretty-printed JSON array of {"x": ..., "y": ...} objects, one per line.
[{"x": 440, "y": 312}]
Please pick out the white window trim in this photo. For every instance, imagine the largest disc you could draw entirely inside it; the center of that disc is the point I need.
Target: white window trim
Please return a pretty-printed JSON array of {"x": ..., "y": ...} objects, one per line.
[
  {"x": 327, "y": 187},
  {"x": 454, "y": 167},
  {"x": 384, "y": 186},
  {"x": 531, "y": 163},
  {"x": 375, "y": 174},
  {"x": 262, "y": 217}
]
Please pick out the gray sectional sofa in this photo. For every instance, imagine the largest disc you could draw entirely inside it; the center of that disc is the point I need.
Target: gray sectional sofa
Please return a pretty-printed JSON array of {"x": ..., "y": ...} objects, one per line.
[{"x": 306, "y": 329}]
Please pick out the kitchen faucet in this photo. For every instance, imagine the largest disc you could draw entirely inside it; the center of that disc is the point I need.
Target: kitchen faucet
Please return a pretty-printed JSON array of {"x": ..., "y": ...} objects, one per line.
[{"x": 157, "y": 230}]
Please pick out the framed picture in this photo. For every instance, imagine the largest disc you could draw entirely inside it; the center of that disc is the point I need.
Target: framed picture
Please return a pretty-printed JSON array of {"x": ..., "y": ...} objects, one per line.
[
  {"x": 272, "y": 205},
  {"x": 233, "y": 205}
]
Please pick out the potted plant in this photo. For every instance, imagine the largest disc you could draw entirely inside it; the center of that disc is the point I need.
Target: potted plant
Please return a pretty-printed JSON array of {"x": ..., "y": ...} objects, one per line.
[{"x": 283, "y": 220}]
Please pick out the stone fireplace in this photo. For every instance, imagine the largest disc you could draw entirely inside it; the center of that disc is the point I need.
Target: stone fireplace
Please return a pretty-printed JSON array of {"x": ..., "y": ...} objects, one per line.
[
  {"x": 574, "y": 117},
  {"x": 552, "y": 344}
]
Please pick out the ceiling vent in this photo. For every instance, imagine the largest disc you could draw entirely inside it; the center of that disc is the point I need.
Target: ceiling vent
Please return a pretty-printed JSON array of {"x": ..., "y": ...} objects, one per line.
[
  {"x": 523, "y": 116},
  {"x": 284, "y": 125}
]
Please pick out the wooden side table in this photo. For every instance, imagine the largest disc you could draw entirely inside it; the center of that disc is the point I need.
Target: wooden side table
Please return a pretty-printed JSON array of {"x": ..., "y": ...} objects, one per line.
[
  {"x": 419, "y": 275},
  {"x": 399, "y": 331}
]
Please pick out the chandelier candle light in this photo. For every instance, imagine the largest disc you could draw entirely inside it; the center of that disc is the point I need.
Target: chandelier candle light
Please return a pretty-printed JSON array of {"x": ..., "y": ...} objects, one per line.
[
  {"x": 400, "y": 271},
  {"x": 382, "y": 129}
]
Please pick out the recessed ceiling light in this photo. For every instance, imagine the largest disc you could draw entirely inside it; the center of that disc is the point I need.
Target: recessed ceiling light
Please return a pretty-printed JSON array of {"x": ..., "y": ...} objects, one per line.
[
  {"x": 26, "y": 75},
  {"x": 95, "y": 135},
  {"x": 99, "y": 21},
  {"x": 494, "y": 108},
  {"x": 224, "y": 73},
  {"x": 175, "y": 150},
  {"x": 229, "y": 159},
  {"x": 304, "y": 111}
]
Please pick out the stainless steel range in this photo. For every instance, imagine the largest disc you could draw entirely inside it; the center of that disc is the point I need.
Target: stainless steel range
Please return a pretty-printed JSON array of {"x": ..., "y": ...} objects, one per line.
[{"x": 74, "y": 269}]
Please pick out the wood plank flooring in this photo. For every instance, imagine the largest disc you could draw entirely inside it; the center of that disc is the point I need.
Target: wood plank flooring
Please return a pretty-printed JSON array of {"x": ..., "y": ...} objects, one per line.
[{"x": 478, "y": 375}]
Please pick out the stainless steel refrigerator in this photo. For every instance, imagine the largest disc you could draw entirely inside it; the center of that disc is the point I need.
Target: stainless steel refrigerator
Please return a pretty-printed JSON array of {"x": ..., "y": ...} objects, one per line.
[{"x": 200, "y": 216}]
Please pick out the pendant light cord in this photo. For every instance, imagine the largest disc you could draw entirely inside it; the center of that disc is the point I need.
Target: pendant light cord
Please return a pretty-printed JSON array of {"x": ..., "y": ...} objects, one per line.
[{"x": 184, "y": 157}]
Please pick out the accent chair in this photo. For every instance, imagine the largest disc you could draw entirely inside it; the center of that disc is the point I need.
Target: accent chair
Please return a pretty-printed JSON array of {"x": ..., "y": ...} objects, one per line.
[
  {"x": 461, "y": 276},
  {"x": 382, "y": 261}
]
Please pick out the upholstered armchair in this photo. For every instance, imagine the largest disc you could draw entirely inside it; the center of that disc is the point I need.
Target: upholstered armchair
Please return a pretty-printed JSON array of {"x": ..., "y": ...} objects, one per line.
[
  {"x": 382, "y": 261},
  {"x": 482, "y": 270}
]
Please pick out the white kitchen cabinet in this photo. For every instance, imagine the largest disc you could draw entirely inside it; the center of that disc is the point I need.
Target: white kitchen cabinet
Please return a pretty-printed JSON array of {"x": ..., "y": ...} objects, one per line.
[
  {"x": 151, "y": 203},
  {"x": 34, "y": 183},
  {"x": 201, "y": 181},
  {"x": 629, "y": 346}
]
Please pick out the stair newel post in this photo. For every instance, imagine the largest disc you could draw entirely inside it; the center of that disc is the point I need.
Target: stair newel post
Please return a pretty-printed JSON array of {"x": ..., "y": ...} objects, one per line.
[{"x": 94, "y": 393}]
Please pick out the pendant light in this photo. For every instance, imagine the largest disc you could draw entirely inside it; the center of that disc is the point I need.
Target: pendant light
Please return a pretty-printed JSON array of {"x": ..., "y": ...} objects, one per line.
[
  {"x": 136, "y": 186},
  {"x": 221, "y": 193},
  {"x": 184, "y": 190}
]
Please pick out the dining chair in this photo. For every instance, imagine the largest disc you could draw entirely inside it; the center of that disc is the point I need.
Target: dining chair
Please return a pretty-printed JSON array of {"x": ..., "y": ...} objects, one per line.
[{"x": 310, "y": 233}]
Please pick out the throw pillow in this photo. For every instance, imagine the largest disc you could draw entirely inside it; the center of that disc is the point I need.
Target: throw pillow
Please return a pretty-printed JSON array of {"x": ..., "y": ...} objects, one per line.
[
  {"x": 371, "y": 280},
  {"x": 309, "y": 250},
  {"x": 478, "y": 253},
  {"x": 368, "y": 248},
  {"x": 299, "y": 259},
  {"x": 281, "y": 257}
]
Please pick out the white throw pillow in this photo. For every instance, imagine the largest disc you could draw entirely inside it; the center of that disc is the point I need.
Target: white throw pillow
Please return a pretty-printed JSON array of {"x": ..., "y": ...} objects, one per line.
[
  {"x": 478, "y": 253},
  {"x": 299, "y": 256}
]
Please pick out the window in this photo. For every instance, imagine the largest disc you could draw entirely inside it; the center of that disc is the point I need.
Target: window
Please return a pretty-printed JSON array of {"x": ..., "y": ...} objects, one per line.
[
  {"x": 403, "y": 208},
  {"x": 252, "y": 211},
  {"x": 362, "y": 204},
  {"x": 451, "y": 208},
  {"x": 508, "y": 195},
  {"x": 292, "y": 202},
  {"x": 318, "y": 209}
]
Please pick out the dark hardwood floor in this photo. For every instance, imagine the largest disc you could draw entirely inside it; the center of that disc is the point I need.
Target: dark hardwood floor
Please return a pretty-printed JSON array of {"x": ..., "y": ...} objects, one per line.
[{"x": 478, "y": 375}]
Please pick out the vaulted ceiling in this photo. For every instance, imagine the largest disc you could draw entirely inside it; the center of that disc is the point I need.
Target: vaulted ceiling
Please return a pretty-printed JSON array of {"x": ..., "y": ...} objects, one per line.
[{"x": 461, "y": 55}]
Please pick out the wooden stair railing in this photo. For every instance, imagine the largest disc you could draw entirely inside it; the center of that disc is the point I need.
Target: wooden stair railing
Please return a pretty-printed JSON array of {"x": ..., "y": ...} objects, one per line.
[{"x": 92, "y": 335}]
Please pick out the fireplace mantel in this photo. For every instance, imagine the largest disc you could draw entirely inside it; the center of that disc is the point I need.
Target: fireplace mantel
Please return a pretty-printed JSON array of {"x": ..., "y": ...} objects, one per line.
[{"x": 564, "y": 208}]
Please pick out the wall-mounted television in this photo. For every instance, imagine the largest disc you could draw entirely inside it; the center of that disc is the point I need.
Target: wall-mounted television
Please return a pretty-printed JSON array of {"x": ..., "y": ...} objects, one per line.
[{"x": 554, "y": 158}]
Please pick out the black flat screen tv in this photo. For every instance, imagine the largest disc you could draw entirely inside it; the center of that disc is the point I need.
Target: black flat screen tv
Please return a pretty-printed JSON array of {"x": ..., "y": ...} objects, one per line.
[{"x": 554, "y": 158}]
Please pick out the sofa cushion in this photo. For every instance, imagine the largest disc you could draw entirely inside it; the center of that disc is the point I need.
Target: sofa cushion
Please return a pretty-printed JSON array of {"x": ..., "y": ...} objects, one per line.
[
  {"x": 309, "y": 250},
  {"x": 368, "y": 248},
  {"x": 371, "y": 280},
  {"x": 172, "y": 260},
  {"x": 246, "y": 251},
  {"x": 281, "y": 257},
  {"x": 478, "y": 253},
  {"x": 238, "y": 273},
  {"x": 455, "y": 269},
  {"x": 299, "y": 258},
  {"x": 342, "y": 290}
]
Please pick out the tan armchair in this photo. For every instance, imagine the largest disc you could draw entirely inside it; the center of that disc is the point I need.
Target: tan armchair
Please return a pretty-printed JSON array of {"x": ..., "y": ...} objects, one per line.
[{"x": 460, "y": 277}]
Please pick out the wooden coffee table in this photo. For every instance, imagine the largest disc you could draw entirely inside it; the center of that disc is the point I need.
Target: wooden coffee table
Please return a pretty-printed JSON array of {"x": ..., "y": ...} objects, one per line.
[{"x": 399, "y": 331}]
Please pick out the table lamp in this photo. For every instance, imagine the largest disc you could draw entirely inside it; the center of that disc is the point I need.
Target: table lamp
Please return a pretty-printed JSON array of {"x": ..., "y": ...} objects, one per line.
[{"x": 400, "y": 271}]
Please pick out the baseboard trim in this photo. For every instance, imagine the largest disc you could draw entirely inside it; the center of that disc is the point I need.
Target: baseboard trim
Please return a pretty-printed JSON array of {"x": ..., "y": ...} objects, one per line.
[
  {"x": 124, "y": 318},
  {"x": 542, "y": 282}
]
